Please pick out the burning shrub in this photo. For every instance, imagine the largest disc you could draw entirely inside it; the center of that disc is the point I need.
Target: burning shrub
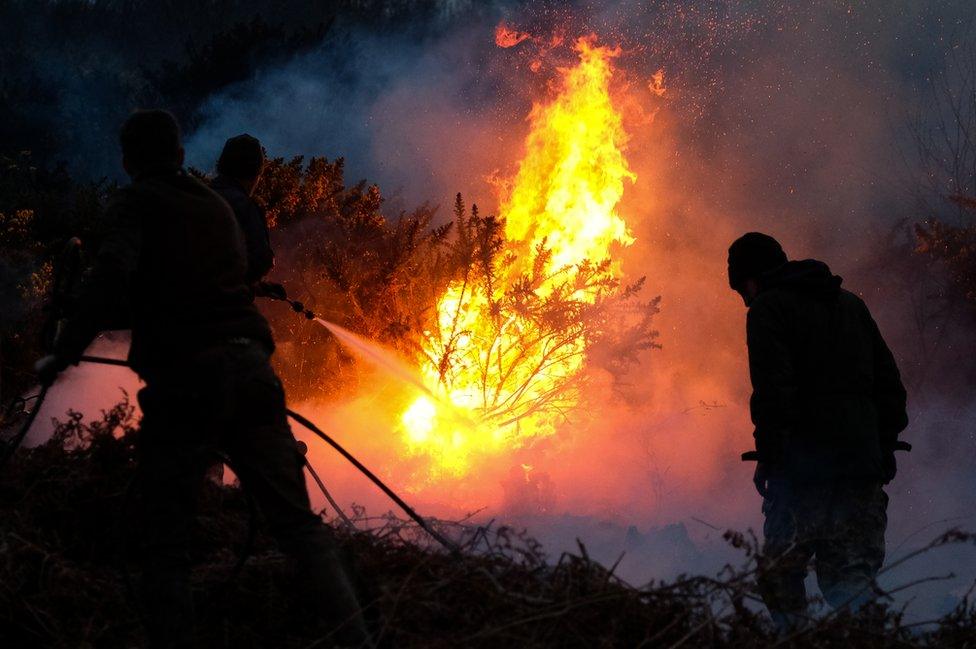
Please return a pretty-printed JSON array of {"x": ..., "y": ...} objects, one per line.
[
  {"x": 507, "y": 349},
  {"x": 375, "y": 276},
  {"x": 516, "y": 336},
  {"x": 508, "y": 317}
]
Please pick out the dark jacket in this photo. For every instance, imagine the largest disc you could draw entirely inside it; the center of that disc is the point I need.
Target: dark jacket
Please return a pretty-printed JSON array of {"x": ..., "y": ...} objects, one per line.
[
  {"x": 171, "y": 266},
  {"x": 828, "y": 401},
  {"x": 254, "y": 225}
]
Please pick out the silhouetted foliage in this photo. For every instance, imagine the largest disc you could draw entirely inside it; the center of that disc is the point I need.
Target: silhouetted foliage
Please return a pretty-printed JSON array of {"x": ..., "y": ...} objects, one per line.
[
  {"x": 954, "y": 246},
  {"x": 348, "y": 263},
  {"x": 944, "y": 135},
  {"x": 945, "y": 143},
  {"x": 66, "y": 506},
  {"x": 39, "y": 211}
]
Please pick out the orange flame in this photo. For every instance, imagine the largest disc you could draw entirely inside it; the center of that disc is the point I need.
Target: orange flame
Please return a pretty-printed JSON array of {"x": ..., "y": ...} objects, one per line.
[
  {"x": 506, "y": 36},
  {"x": 656, "y": 84},
  {"x": 562, "y": 198}
]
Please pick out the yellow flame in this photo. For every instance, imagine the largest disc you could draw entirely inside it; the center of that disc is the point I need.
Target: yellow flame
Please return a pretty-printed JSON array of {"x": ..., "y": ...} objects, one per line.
[{"x": 564, "y": 197}]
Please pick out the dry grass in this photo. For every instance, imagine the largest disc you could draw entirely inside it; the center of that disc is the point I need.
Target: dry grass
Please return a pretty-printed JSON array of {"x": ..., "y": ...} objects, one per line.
[{"x": 63, "y": 574}]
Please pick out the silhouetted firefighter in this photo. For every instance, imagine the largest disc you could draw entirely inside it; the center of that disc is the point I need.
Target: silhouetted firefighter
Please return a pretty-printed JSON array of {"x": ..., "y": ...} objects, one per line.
[
  {"x": 173, "y": 262},
  {"x": 828, "y": 405},
  {"x": 239, "y": 170}
]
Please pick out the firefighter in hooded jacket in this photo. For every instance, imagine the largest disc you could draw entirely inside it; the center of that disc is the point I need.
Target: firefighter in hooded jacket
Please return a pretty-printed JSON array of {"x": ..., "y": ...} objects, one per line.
[{"x": 828, "y": 405}]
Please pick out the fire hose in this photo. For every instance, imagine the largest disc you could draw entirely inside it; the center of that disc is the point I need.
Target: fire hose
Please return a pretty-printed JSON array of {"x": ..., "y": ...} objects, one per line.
[
  {"x": 298, "y": 307},
  {"x": 18, "y": 438},
  {"x": 67, "y": 273},
  {"x": 295, "y": 416}
]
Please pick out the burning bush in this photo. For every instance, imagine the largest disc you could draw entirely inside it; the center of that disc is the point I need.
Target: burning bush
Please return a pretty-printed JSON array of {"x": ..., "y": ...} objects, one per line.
[
  {"x": 508, "y": 317},
  {"x": 339, "y": 254}
]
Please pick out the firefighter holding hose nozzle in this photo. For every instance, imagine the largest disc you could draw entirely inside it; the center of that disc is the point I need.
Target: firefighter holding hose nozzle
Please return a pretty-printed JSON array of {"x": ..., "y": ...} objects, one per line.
[
  {"x": 239, "y": 170},
  {"x": 828, "y": 405},
  {"x": 173, "y": 260}
]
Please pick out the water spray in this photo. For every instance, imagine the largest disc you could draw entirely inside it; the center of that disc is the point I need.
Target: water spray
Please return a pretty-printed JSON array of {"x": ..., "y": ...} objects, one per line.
[
  {"x": 398, "y": 369},
  {"x": 370, "y": 352}
]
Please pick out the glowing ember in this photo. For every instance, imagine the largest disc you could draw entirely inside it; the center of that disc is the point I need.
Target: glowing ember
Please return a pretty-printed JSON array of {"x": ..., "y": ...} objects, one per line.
[
  {"x": 506, "y": 36},
  {"x": 507, "y": 352},
  {"x": 656, "y": 84}
]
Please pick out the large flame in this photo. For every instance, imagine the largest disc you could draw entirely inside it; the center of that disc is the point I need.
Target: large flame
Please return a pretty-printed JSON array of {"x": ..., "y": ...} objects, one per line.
[{"x": 503, "y": 380}]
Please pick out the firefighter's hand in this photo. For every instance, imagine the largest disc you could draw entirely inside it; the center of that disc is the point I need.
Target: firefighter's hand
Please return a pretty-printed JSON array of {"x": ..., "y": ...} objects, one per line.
[
  {"x": 48, "y": 368},
  {"x": 761, "y": 478},
  {"x": 270, "y": 289}
]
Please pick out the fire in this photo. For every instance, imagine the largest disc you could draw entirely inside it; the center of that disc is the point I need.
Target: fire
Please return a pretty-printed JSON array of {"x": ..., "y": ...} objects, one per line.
[
  {"x": 656, "y": 84},
  {"x": 506, "y": 364},
  {"x": 506, "y": 36}
]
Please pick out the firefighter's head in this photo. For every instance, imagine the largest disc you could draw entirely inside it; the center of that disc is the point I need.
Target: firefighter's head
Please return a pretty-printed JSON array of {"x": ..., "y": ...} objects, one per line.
[
  {"x": 151, "y": 143},
  {"x": 750, "y": 257},
  {"x": 243, "y": 160}
]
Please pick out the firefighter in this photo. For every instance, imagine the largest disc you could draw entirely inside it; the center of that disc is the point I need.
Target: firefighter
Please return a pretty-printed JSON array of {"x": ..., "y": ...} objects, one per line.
[
  {"x": 239, "y": 170},
  {"x": 173, "y": 259},
  {"x": 828, "y": 405}
]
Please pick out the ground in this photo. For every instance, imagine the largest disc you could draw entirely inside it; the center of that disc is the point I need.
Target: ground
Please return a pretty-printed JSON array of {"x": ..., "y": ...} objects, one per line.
[{"x": 66, "y": 580}]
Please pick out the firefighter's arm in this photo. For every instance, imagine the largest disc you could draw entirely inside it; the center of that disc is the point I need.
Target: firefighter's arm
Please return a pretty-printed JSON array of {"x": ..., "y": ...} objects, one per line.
[
  {"x": 260, "y": 256},
  {"x": 106, "y": 286},
  {"x": 889, "y": 391},
  {"x": 774, "y": 383}
]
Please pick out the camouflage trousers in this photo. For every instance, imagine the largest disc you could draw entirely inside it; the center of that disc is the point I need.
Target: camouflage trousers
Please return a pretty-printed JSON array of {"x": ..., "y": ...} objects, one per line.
[{"x": 841, "y": 525}]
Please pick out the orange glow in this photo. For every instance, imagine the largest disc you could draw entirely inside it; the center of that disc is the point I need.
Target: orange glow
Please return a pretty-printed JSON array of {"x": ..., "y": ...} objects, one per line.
[
  {"x": 506, "y": 36},
  {"x": 503, "y": 379},
  {"x": 656, "y": 84}
]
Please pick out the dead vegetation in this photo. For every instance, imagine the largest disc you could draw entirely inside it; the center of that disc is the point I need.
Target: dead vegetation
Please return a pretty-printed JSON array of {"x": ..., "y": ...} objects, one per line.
[{"x": 65, "y": 560}]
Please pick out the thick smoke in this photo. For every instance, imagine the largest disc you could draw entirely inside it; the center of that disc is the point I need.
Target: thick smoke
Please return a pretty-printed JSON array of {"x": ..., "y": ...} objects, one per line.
[{"x": 408, "y": 110}]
